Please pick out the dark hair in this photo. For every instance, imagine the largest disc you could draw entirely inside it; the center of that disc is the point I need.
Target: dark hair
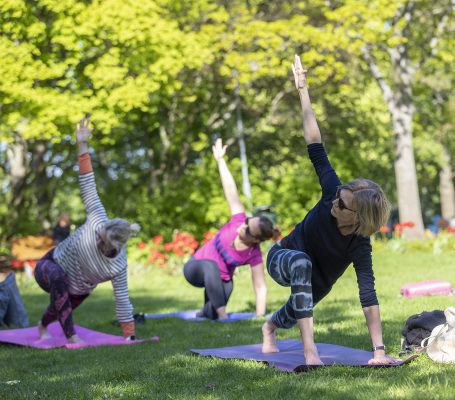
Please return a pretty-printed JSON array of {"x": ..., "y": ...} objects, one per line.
[{"x": 268, "y": 231}]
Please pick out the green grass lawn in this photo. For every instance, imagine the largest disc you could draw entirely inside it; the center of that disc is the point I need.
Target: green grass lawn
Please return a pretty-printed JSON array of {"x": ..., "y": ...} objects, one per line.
[{"x": 167, "y": 370}]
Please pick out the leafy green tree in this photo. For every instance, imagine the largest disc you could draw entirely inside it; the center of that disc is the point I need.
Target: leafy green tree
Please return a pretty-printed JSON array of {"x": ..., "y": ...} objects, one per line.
[
  {"x": 159, "y": 79},
  {"x": 394, "y": 37}
]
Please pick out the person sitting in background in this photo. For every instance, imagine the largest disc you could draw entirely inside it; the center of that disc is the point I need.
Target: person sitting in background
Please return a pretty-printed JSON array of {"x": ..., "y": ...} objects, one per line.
[
  {"x": 12, "y": 310},
  {"x": 95, "y": 253},
  {"x": 236, "y": 243},
  {"x": 62, "y": 229}
]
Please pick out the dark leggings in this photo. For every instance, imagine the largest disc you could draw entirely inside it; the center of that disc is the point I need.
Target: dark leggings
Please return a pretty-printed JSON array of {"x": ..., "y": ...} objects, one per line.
[
  {"x": 205, "y": 273},
  {"x": 291, "y": 268},
  {"x": 52, "y": 279}
]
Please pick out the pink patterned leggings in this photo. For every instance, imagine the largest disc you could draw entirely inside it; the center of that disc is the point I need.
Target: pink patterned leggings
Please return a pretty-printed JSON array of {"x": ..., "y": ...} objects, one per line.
[{"x": 52, "y": 279}]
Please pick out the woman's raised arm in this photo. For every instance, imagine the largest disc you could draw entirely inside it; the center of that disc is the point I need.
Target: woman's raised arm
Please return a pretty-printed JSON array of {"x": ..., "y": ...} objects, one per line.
[
  {"x": 227, "y": 180},
  {"x": 310, "y": 125}
]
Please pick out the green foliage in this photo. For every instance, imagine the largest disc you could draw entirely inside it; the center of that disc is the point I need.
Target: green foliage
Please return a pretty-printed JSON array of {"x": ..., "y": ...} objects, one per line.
[{"x": 158, "y": 78}]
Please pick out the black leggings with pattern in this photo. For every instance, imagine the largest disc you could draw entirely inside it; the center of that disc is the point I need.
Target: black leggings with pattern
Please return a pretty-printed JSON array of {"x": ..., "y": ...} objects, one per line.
[
  {"x": 52, "y": 279},
  {"x": 291, "y": 268}
]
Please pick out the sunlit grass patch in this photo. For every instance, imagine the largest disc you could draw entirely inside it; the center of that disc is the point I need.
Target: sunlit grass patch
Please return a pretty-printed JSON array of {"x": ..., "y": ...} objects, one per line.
[{"x": 167, "y": 370}]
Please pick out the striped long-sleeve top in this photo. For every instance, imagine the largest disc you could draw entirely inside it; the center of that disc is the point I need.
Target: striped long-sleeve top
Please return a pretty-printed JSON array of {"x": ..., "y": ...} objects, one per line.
[{"x": 84, "y": 264}]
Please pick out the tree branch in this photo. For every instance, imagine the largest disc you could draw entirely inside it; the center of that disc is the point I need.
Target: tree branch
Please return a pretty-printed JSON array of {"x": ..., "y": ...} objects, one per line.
[
  {"x": 404, "y": 12},
  {"x": 440, "y": 29},
  {"x": 378, "y": 76}
]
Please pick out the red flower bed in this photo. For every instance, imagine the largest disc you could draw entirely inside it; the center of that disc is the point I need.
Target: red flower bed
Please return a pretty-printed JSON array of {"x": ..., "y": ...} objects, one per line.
[
  {"x": 398, "y": 228},
  {"x": 171, "y": 254}
]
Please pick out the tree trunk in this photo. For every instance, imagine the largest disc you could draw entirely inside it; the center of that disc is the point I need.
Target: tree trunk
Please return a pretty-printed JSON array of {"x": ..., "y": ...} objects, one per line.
[
  {"x": 401, "y": 109},
  {"x": 18, "y": 171},
  {"x": 399, "y": 100},
  {"x": 42, "y": 185},
  {"x": 446, "y": 188},
  {"x": 405, "y": 172}
]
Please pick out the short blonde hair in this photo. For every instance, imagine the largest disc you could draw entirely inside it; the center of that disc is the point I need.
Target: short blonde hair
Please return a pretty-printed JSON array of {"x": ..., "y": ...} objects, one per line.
[
  {"x": 372, "y": 206},
  {"x": 118, "y": 231}
]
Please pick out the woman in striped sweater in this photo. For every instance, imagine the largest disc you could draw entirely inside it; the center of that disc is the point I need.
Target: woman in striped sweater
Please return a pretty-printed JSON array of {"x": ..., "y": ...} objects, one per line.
[{"x": 95, "y": 253}]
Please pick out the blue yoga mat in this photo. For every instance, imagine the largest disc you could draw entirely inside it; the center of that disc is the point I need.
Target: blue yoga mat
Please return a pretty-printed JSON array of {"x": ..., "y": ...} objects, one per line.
[{"x": 191, "y": 316}]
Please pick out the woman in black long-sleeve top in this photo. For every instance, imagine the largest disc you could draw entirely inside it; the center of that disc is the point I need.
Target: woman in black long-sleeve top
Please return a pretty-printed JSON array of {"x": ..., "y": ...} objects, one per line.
[{"x": 334, "y": 234}]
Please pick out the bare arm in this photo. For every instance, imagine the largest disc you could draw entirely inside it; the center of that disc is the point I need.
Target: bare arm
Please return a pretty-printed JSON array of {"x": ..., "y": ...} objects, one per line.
[
  {"x": 310, "y": 125},
  {"x": 260, "y": 288},
  {"x": 227, "y": 180},
  {"x": 373, "y": 320}
]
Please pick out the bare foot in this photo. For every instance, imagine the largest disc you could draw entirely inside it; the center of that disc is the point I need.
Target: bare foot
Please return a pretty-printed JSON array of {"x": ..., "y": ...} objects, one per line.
[
  {"x": 43, "y": 332},
  {"x": 222, "y": 314},
  {"x": 269, "y": 338},
  {"x": 312, "y": 357},
  {"x": 75, "y": 339}
]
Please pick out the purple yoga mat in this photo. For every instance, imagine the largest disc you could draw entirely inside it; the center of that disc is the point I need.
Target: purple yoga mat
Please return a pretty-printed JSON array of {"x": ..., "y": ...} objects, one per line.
[
  {"x": 291, "y": 359},
  {"x": 30, "y": 337},
  {"x": 191, "y": 316}
]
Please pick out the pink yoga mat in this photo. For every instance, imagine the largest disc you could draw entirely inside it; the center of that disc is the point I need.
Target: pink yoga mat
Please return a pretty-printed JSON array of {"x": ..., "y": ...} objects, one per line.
[
  {"x": 427, "y": 288},
  {"x": 30, "y": 337}
]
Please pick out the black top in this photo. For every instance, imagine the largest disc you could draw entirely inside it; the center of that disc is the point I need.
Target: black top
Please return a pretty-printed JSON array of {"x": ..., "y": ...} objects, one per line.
[{"x": 330, "y": 251}]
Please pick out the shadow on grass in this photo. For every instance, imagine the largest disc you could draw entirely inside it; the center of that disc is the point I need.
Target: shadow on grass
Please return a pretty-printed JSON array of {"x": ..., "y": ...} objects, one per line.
[
  {"x": 156, "y": 371},
  {"x": 98, "y": 310},
  {"x": 166, "y": 369},
  {"x": 334, "y": 321}
]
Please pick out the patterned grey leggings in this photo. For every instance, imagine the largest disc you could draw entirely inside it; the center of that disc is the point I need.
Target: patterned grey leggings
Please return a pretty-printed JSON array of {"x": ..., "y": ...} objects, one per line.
[{"x": 291, "y": 268}]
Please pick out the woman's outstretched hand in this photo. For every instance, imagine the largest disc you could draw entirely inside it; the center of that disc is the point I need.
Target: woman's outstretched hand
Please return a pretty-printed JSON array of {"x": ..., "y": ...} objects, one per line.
[
  {"x": 219, "y": 150},
  {"x": 83, "y": 131},
  {"x": 299, "y": 73}
]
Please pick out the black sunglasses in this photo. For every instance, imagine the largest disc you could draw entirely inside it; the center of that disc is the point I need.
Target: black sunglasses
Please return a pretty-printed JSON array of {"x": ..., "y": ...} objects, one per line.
[
  {"x": 341, "y": 205},
  {"x": 247, "y": 229}
]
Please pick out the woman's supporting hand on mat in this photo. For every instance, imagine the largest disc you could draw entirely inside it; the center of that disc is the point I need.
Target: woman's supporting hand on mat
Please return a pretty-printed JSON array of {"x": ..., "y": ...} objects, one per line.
[
  {"x": 379, "y": 357},
  {"x": 373, "y": 320}
]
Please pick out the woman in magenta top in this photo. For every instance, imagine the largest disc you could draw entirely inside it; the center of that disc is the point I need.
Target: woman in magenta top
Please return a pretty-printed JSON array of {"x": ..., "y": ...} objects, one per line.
[{"x": 236, "y": 243}]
